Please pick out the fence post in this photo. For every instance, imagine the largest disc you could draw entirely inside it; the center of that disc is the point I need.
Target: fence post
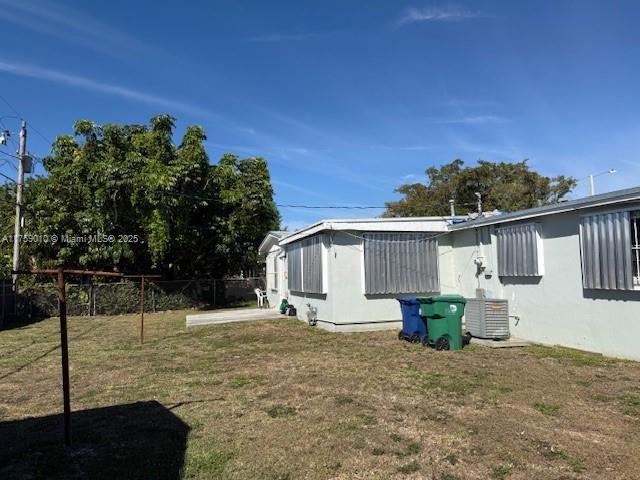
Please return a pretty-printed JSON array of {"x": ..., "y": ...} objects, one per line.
[
  {"x": 4, "y": 299},
  {"x": 90, "y": 302},
  {"x": 215, "y": 299}
]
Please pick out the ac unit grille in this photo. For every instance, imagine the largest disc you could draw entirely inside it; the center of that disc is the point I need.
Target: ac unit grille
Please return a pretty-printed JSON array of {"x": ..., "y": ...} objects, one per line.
[{"x": 487, "y": 317}]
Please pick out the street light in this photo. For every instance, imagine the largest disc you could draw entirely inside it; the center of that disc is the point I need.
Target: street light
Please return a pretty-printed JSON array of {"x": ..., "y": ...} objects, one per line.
[{"x": 592, "y": 185}]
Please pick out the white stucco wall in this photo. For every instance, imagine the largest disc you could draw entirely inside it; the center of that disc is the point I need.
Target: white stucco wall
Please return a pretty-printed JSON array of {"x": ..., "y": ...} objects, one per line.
[
  {"x": 553, "y": 309},
  {"x": 275, "y": 295},
  {"x": 345, "y": 307}
]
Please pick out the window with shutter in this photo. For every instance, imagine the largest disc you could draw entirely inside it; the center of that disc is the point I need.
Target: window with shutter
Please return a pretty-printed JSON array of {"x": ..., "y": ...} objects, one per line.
[
  {"x": 396, "y": 263},
  {"x": 635, "y": 248},
  {"x": 520, "y": 250},
  {"x": 304, "y": 261},
  {"x": 608, "y": 244}
]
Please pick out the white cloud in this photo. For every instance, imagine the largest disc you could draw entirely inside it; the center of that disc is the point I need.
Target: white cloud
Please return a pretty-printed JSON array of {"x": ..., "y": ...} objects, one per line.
[
  {"x": 436, "y": 14},
  {"x": 69, "y": 80},
  {"x": 476, "y": 119},
  {"x": 410, "y": 176},
  {"x": 72, "y": 25}
]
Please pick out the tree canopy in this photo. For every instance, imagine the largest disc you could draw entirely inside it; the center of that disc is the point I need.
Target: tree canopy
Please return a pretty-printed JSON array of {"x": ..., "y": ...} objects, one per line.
[
  {"x": 504, "y": 186},
  {"x": 168, "y": 208}
]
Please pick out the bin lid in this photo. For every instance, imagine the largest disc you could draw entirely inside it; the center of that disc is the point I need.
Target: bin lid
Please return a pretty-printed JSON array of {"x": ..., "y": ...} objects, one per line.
[
  {"x": 443, "y": 299},
  {"x": 408, "y": 300}
]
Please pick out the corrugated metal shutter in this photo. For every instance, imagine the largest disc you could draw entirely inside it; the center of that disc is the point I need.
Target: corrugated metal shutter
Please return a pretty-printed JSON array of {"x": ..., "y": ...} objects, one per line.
[
  {"x": 312, "y": 264},
  {"x": 400, "y": 263},
  {"x": 294, "y": 266},
  {"x": 518, "y": 250},
  {"x": 605, "y": 242}
]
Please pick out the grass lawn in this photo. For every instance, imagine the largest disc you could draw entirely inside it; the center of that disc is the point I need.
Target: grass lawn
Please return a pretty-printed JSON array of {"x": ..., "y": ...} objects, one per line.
[{"x": 281, "y": 400}]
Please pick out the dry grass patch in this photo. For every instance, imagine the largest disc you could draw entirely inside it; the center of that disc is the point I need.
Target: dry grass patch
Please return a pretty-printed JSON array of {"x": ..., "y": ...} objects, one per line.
[{"x": 280, "y": 400}]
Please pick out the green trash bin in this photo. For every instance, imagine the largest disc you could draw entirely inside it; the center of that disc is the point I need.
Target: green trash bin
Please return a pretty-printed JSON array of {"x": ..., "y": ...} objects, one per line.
[{"x": 444, "y": 320}]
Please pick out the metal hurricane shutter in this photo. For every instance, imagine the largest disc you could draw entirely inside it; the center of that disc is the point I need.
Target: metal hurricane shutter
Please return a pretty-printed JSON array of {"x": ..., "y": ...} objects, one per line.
[
  {"x": 400, "y": 263},
  {"x": 294, "y": 266},
  {"x": 605, "y": 244},
  {"x": 518, "y": 250},
  {"x": 312, "y": 264}
]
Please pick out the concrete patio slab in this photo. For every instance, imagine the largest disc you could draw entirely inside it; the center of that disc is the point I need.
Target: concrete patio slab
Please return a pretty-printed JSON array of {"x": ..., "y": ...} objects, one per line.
[
  {"x": 508, "y": 343},
  {"x": 231, "y": 316}
]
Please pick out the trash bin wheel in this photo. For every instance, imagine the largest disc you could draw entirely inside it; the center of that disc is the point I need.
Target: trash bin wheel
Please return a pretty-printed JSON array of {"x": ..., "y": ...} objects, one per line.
[
  {"x": 415, "y": 338},
  {"x": 400, "y": 335},
  {"x": 425, "y": 341},
  {"x": 442, "y": 343}
]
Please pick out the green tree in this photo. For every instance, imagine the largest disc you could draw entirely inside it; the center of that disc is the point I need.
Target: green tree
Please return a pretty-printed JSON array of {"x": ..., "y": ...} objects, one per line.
[
  {"x": 504, "y": 186},
  {"x": 191, "y": 218}
]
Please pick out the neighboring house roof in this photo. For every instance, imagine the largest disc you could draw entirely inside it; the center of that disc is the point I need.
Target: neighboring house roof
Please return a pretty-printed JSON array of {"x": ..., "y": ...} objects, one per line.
[
  {"x": 270, "y": 240},
  {"x": 412, "y": 224},
  {"x": 611, "y": 198}
]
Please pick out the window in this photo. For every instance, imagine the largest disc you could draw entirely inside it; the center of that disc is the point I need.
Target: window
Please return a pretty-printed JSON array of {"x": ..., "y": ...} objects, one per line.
[
  {"x": 609, "y": 247},
  {"x": 400, "y": 263},
  {"x": 520, "y": 250},
  {"x": 312, "y": 264},
  {"x": 274, "y": 283},
  {"x": 294, "y": 266},
  {"x": 635, "y": 248},
  {"x": 304, "y": 260}
]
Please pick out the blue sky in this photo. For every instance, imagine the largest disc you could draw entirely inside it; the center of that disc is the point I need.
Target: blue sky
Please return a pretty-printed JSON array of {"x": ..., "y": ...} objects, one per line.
[{"x": 345, "y": 99}]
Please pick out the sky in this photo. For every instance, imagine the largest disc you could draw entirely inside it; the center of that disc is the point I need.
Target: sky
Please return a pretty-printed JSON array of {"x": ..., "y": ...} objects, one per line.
[{"x": 346, "y": 99}]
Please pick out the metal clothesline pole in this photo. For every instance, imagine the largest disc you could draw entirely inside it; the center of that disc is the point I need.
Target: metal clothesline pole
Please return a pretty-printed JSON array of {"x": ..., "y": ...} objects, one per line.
[{"x": 59, "y": 273}]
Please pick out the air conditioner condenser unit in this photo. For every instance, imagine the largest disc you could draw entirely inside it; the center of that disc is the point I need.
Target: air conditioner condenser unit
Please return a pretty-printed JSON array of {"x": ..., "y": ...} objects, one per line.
[{"x": 487, "y": 318}]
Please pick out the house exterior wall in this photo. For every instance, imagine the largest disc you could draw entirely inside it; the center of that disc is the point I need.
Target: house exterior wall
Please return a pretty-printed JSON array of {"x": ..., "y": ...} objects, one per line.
[
  {"x": 345, "y": 307},
  {"x": 276, "y": 290},
  {"x": 323, "y": 302},
  {"x": 553, "y": 308}
]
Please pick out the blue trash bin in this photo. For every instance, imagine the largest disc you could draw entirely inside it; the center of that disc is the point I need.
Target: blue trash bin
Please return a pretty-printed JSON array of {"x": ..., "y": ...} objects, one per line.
[{"x": 414, "y": 328}]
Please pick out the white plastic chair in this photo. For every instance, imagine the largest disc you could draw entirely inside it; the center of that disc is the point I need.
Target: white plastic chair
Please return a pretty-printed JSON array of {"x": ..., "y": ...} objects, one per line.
[{"x": 263, "y": 301}]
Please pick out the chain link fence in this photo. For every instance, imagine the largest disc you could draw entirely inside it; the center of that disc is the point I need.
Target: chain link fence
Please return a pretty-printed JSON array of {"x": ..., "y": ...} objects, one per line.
[{"x": 115, "y": 298}]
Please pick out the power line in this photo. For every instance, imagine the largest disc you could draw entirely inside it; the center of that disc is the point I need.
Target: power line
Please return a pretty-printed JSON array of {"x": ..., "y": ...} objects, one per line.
[
  {"x": 10, "y": 155},
  {"x": 7, "y": 177},
  {"x": 281, "y": 205},
  {"x": 340, "y": 207},
  {"x": 31, "y": 127},
  {"x": 10, "y": 106}
]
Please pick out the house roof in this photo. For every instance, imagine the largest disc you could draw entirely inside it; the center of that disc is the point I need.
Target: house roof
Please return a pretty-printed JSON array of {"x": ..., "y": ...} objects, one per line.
[
  {"x": 610, "y": 198},
  {"x": 444, "y": 224},
  {"x": 270, "y": 239},
  {"x": 412, "y": 224}
]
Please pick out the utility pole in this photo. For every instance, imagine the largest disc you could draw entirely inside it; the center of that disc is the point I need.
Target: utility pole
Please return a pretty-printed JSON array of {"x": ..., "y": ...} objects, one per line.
[
  {"x": 452, "y": 207},
  {"x": 592, "y": 186},
  {"x": 22, "y": 153}
]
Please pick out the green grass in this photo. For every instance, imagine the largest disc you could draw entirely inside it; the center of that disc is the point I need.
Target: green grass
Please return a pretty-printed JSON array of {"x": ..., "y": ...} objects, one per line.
[
  {"x": 343, "y": 400},
  {"x": 278, "y": 411},
  {"x": 631, "y": 399},
  {"x": 546, "y": 408},
  {"x": 500, "y": 472},
  {"x": 409, "y": 468},
  {"x": 570, "y": 356},
  {"x": 577, "y": 465},
  {"x": 280, "y": 400}
]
